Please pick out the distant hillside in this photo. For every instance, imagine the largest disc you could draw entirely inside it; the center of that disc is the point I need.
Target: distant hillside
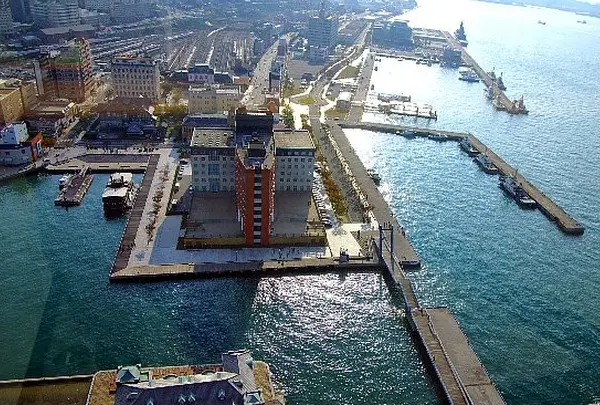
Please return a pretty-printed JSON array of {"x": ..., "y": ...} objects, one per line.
[{"x": 566, "y": 5}]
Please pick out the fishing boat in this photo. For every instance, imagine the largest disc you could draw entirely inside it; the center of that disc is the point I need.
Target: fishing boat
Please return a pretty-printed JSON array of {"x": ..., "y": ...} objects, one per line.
[
  {"x": 465, "y": 144},
  {"x": 374, "y": 176},
  {"x": 438, "y": 137},
  {"x": 485, "y": 163},
  {"x": 511, "y": 187},
  {"x": 468, "y": 76},
  {"x": 63, "y": 181},
  {"x": 119, "y": 193}
]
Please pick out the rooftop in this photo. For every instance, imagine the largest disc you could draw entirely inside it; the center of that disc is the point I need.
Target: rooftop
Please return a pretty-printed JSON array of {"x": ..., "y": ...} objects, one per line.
[
  {"x": 214, "y": 138},
  {"x": 293, "y": 139}
]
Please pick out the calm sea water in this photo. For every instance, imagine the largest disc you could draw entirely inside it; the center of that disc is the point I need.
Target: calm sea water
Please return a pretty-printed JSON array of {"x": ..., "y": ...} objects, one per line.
[{"x": 525, "y": 294}]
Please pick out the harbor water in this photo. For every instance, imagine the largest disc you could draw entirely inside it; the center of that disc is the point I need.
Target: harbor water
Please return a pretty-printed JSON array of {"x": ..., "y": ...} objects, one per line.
[{"x": 525, "y": 294}]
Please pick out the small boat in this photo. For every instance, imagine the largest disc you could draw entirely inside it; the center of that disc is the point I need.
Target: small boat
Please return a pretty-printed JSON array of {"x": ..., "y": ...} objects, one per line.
[
  {"x": 407, "y": 133},
  {"x": 374, "y": 176},
  {"x": 438, "y": 137},
  {"x": 516, "y": 192},
  {"x": 63, "y": 181},
  {"x": 485, "y": 163},
  {"x": 541, "y": 22},
  {"x": 465, "y": 144},
  {"x": 582, "y": 21},
  {"x": 469, "y": 76},
  {"x": 429, "y": 62}
]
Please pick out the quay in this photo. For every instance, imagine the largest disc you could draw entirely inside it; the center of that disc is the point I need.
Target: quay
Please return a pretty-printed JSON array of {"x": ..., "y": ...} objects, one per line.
[
  {"x": 135, "y": 216},
  {"x": 549, "y": 208},
  {"x": 73, "y": 192},
  {"x": 102, "y": 163},
  {"x": 501, "y": 98},
  {"x": 271, "y": 268}
]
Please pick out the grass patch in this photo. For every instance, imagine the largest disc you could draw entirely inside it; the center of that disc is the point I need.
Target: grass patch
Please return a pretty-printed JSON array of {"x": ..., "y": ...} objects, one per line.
[
  {"x": 306, "y": 100},
  {"x": 335, "y": 113},
  {"x": 349, "y": 72},
  {"x": 290, "y": 90}
]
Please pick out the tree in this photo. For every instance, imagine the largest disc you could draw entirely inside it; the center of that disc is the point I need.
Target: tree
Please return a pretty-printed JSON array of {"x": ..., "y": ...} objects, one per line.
[{"x": 288, "y": 116}]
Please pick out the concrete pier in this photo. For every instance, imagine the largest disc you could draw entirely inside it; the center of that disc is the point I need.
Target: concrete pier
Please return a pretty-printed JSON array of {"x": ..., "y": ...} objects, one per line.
[
  {"x": 135, "y": 217},
  {"x": 555, "y": 213},
  {"x": 73, "y": 192},
  {"x": 271, "y": 268}
]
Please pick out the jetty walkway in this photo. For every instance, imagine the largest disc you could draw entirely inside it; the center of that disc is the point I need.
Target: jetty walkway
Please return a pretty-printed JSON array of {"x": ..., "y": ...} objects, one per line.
[
  {"x": 549, "y": 208},
  {"x": 74, "y": 190},
  {"x": 135, "y": 216}
]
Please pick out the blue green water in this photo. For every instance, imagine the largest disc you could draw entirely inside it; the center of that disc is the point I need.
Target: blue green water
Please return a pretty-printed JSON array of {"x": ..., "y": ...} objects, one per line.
[
  {"x": 328, "y": 338},
  {"x": 525, "y": 293}
]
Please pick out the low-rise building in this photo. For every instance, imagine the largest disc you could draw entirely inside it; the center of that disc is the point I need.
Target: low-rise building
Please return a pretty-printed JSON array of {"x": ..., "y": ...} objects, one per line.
[
  {"x": 201, "y": 74},
  {"x": 16, "y": 98},
  {"x": 232, "y": 382},
  {"x": 16, "y": 147},
  {"x": 135, "y": 77},
  {"x": 60, "y": 34},
  {"x": 394, "y": 34},
  {"x": 127, "y": 116},
  {"x": 205, "y": 100},
  {"x": 51, "y": 117},
  {"x": 344, "y": 101}
]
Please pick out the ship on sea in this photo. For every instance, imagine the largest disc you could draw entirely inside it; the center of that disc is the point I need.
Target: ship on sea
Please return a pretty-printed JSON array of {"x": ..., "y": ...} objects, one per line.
[
  {"x": 460, "y": 35},
  {"x": 119, "y": 194}
]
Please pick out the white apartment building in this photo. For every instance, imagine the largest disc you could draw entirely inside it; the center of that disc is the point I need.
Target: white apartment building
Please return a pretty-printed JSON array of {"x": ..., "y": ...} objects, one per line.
[
  {"x": 55, "y": 13},
  {"x": 206, "y": 100},
  {"x": 295, "y": 160},
  {"x": 134, "y": 77},
  {"x": 213, "y": 160},
  {"x": 13, "y": 134}
]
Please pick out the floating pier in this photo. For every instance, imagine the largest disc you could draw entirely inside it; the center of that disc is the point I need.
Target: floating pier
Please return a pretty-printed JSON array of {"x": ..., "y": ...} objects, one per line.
[
  {"x": 73, "y": 192},
  {"x": 555, "y": 213}
]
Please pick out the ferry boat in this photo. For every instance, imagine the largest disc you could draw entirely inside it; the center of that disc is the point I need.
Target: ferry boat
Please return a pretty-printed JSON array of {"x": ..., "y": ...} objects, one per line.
[
  {"x": 63, "y": 181},
  {"x": 465, "y": 144},
  {"x": 485, "y": 163},
  {"x": 374, "y": 176},
  {"x": 516, "y": 192},
  {"x": 118, "y": 194},
  {"x": 469, "y": 76}
]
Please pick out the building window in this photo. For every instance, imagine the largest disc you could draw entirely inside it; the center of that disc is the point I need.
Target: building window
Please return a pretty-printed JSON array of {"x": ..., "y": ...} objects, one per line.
[
  {"x": 302, "y": 159},
  {"x": 213, "y": 169},
  {"x": 295, "y": 159}
]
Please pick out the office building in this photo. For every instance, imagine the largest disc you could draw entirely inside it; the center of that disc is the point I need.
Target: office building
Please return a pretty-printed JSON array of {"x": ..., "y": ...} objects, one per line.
[
  {"x": 212, "y": 99},
  {"x": 6, "y": 19},
  {"x": 55, "y": 13},
  {"x": 253, "y": 160},
  {"x": 21, "y": 10},
  {"x": 65, "y": 73},
  {"x": 322, "y": 36},
  {"x": 135, "y": 77},
  {"x": 393, "y": 34}
]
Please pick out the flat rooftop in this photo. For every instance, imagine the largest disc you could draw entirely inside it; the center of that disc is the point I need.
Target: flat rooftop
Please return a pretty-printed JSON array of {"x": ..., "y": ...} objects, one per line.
[
  {"x": 213, "y": 215},
  {"x": 212, "y": 138},
  {"x": 293, "y": 139}
]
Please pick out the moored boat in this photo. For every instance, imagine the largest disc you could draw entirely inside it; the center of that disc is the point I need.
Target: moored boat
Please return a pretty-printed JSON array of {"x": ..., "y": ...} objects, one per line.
[
  {"x": 485, "y": 163},
  {"x": 468, "y": 76},
  {"x": 438, "y": 137},
  {"x": 516, "y": 192},
  {"x": 374, "y": 176},
  {"x": 63, "y": 181},
  {"x": 465, "y": 144},
  {"x": 118, "y": 194}
]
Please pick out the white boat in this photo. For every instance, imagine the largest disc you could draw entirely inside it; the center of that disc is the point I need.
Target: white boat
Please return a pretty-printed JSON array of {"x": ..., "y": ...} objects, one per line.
[
  {"x": 63, "y": 181},
  {"x": 118, "y": 194},
  {"x": 468, "y": 76}
]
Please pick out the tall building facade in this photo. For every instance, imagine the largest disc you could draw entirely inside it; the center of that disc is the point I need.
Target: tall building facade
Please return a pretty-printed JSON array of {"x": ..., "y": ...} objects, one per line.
[
  {"x": 66, "y": 73},
  {"x": 253, "y": 160},
  {"x": 135, "y": 77},
  {"x": 55, "y": 13},
  {"x": 322, "y": 36},
  {"x": 6, "y": 19},
  {"x": 21, "y": 10}
]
